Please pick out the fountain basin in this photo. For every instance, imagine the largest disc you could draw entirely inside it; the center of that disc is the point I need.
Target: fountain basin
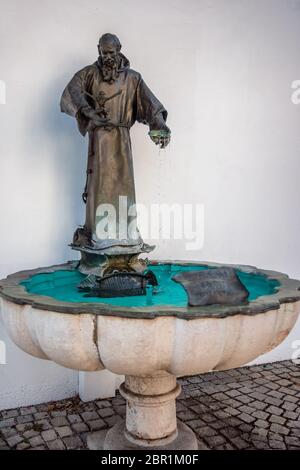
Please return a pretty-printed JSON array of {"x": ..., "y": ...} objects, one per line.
[{"x": 150, "y": 345}]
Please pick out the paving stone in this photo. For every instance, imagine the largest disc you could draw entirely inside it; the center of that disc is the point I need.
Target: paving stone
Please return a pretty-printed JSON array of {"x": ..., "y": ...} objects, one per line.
[
  {"x": 73, "y": 442},
  {"x": 260, "y": 445},
  {"x": 195, "y": 379},
  {"x": 218, "y": 424},
  {"x": 105, "y": 412},
  {"x": 42, "y": 424},
  {"x": 42, "y": 407},
  {"x": 8, "y": 432},
  {"x": 258, "y": 396},
  {"x": 262, "y": 389},
  {"x": 220, "y": 396},
  {"x": 36, "y": 441},
  {"x": 112, "y": 420},
  {"x": 277, "y": 419},
  {"x": 245, "y": 399},
  {"x": 230, "y": 432},
  {"x": 291, "y": 415},
  {"x": 97, "y": 424},
  {"x": 247, "y": 418},
  {"x": 58, "y": 413},
  {"x": 222, "y": 414},
  {"x": 233, "y": 393},
  {"x": 292, "y": 441},
  {"x": 246, "y": 427},
  {"x": 214, "y": 441},
  {"x": 206, "y": 431},
  {"x": 274, "y": 436},
  {"x": 28, "y": 410},
  {"x": 275, "y": 394},
  {"x": 59, "y": 421},
  {"x": 200, "y": 408},
  {"x": 23, "y": 427},
  {"x": 279, "y": 445},
  {"x": 80, "y": 427},
  {"x": 247, "y": 409},
  {"x": 183, "y": 415},
  {"x": 9, "y": 414},
  {"x": 74, "y": 418},
  {"x": 259, "y": 405},
  {"x": 295, "y": 432},
  {"x": 274, "y": 410},
  {"x": 232, "y": 402},
  {"x": 56, "y": 445},
  {"x": 49, "y": 435},
  {"x": 208, "y": 418},
  {"x": 284, "y": 383},
  {"x": 115, "y": 401},
  {"x": 288, "y": 391},
  {"x": 202, "y": 445},
  {"x": 291, "y": 398},
  {"x": 260, "y": 414},
  {"x": 289, "y": 406},
  {"x": 263, "y": 433},
  {"x": 89, "y": 415},
  {"x": 7, "y": 422},
  {"x": 30, "y": 433},
  {"x": 293, "y": 424},
  {"x": 120, "y": 409},
  {"x": 278, "y": 428},
  {"x": 260, "y": 423},
  {"x": 239, "y": 443},
  {"x": 273, "y": 401},
  {"x": 232, "y": 421},
  {"x": 24, "y": 419},
  {"x": 41, "y": 415},
  {"x": 14, "y": 440},
  {"x": 22, "y": 446},
  {"x": 63, "y": 431}
]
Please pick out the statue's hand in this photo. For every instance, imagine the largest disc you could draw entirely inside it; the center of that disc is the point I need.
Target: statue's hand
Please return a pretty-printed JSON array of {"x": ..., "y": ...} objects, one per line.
[
  {"x": 161, "y": 138},
  {"x": 93, "y": 116}
]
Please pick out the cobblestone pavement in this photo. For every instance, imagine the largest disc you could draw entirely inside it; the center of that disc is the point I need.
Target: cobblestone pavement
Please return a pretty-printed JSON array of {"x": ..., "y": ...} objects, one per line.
[{"x": 254, "y": 407}]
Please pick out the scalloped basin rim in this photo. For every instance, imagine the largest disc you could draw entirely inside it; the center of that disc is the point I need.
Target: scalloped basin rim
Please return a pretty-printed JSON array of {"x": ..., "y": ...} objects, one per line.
[{"x": 287, "y": 291}]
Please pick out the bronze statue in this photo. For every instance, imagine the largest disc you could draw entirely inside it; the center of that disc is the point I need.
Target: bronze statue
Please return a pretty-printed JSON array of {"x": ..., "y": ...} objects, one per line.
[{"x": 107, "y": 98}]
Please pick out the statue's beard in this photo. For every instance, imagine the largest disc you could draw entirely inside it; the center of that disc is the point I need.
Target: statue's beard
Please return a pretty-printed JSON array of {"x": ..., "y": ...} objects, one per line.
[{"x": 109, "y": 69}]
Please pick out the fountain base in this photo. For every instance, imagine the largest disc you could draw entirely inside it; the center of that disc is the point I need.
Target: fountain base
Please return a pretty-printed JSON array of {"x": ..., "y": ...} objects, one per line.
[
  {"x": 115, "y": 439},
  {"x": 150, "y": 417}
]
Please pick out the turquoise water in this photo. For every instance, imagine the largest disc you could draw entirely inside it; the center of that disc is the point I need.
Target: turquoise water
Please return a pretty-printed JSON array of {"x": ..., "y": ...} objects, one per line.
[{"x": 62, "y": 285}]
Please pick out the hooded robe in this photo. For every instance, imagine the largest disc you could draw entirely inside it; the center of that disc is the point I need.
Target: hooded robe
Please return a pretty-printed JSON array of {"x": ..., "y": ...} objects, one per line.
[{"x": 110, "y": 165}]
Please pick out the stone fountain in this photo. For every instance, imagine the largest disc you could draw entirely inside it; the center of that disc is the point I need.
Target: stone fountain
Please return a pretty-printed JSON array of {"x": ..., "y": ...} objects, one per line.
[{"x": 152, "y": 322}]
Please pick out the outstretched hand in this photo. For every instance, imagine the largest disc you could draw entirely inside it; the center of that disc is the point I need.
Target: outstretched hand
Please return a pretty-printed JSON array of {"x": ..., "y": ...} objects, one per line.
[{"x": 161, "y": 138}]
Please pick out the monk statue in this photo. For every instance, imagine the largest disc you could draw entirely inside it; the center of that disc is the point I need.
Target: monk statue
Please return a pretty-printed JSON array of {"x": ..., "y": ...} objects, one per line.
[{"x": 107, "y": 98}]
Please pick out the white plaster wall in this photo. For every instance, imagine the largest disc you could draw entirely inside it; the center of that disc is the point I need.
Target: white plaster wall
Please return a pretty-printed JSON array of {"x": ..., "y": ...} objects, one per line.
[{"x": 223, "y": 69}]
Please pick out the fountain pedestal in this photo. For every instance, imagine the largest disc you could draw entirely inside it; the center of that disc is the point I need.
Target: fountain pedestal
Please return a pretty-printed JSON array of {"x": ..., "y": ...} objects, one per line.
[{"x": 150, "y": 417}]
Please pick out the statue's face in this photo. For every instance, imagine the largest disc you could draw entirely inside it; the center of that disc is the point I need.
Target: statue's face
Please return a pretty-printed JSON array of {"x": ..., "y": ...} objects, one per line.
[{"x": 109, "y": 53}]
